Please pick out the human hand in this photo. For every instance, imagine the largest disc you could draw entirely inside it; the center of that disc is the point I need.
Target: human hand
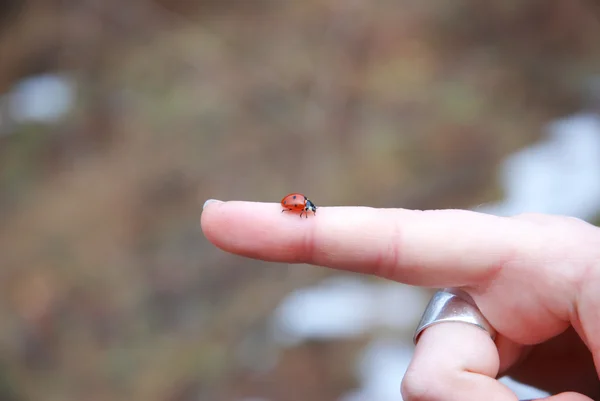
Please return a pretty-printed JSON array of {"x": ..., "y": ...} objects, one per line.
[{"x": 536, "y": 279}]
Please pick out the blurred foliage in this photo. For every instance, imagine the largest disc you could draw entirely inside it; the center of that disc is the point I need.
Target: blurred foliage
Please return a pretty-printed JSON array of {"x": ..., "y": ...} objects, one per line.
[{"x": 109, "y": 290}]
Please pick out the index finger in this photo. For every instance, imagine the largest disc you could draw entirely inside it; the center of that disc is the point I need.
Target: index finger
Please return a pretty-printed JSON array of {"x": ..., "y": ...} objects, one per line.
[{"x": 442, "y": 248}]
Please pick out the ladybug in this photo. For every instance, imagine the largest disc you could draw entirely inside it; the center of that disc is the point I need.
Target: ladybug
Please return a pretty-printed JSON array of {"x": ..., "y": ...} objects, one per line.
[{"x": 298, "y": 203}]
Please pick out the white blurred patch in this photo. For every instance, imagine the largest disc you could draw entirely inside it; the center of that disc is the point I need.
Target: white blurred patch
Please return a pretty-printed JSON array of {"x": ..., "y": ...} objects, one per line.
[
  {"x": 381, "y": 368},
  {"x": 345, "y": 307},
  {"x": 43, "y": 98},
  {"x": 560, "y": 175},
  {"x": 523, "y": 391}
]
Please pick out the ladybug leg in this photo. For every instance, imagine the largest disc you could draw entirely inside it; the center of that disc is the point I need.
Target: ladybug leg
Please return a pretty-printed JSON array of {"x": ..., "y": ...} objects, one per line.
[{"x": 301, "y": 214}]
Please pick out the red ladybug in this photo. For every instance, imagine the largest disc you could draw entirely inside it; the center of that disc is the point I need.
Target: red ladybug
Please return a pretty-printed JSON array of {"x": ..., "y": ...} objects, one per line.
[{"x": 298, "y": 203}]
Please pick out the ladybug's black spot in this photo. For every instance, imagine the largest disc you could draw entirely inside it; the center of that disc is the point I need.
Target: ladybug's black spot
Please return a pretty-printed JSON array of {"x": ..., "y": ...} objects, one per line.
[
  {"x": 294, "y": 197},
  {"x": 284, "y": 202}
]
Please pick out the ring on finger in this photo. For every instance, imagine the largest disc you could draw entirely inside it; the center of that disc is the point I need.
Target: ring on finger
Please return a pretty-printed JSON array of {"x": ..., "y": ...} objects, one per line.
[{"x": 452, "y": 305}]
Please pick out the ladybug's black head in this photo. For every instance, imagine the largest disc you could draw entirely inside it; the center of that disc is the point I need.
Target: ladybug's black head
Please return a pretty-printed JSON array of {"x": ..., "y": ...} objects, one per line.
[{"x": 310, "y": 206}]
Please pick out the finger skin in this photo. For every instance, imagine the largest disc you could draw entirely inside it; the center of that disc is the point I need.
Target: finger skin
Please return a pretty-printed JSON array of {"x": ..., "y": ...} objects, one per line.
[
  {"x": 413, "y": 247},
  {"x": 567, "y": 396},
  {"x": 457, "y": 361},
  {"x": 454, "y": 362}
]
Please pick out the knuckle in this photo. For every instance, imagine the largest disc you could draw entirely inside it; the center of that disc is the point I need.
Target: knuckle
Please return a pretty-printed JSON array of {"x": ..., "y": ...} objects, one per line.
[
  {"x": 418, "y": 385},
  {"x": 308, "y": 250},
  {"x": 388, "y": 257}
]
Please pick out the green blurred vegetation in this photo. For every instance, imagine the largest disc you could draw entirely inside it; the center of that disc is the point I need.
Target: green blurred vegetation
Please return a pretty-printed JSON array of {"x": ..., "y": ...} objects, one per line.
[{"x": 109, "y": 290}]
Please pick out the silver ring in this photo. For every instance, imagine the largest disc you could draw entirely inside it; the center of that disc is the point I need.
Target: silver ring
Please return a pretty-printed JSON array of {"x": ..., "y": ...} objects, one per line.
[{"x": 453, "y": 305}]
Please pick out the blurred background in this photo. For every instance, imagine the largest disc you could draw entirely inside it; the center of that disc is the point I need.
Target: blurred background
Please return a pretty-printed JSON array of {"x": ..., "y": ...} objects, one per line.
[{"x": 118, "y": 119}]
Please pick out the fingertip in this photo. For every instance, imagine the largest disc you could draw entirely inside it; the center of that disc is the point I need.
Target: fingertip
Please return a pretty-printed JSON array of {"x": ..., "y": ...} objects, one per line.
[
  {"x": 206, "y": 207},
  {"x": 210, "y": 202}
]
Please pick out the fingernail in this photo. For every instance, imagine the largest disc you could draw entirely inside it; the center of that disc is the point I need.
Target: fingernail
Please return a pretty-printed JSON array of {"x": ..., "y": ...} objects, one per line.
[{"x": 208, "y": 202}]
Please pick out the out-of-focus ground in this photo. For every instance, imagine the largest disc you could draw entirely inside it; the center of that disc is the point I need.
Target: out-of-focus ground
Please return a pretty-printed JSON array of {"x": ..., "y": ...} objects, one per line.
[{"x": 118, "y": 119}]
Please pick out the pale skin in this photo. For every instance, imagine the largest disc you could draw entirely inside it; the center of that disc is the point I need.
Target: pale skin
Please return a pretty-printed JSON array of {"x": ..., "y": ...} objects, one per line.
[{"x": 536, "y": 278}]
